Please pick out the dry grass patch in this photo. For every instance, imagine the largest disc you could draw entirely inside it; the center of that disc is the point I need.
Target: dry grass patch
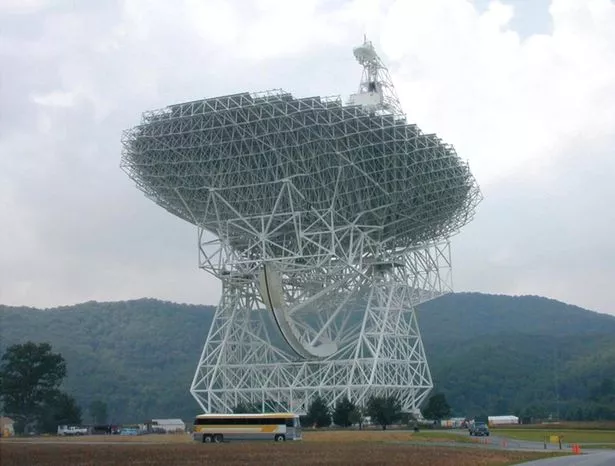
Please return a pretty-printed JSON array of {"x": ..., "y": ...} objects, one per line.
[
  {"x": 170, "y": 438},
  {"x": 232, "y": 454},
  {"x": 335, "y": 436},
  {"x": 382, "y": 436}
]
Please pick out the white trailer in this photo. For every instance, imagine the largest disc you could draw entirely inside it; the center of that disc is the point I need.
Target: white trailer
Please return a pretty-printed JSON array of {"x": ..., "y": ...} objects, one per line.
[{"x": 502, "y": 420}]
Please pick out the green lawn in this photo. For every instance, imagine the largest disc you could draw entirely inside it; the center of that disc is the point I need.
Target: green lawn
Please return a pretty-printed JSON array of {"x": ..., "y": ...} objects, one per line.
[{"x": 569, "y": 436}]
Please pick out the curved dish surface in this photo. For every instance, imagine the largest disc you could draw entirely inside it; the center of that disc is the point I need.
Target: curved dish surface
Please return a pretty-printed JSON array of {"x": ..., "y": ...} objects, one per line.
[{"x": 377, "y": 172}]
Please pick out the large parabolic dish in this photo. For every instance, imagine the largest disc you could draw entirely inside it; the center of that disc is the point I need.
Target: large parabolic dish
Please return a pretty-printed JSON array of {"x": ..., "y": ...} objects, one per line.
[{"x": 327, "y": 222}]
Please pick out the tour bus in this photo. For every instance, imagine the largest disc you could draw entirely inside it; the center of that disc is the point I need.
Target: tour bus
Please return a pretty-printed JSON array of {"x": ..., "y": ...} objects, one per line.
[{"x": 271, "y": 426}]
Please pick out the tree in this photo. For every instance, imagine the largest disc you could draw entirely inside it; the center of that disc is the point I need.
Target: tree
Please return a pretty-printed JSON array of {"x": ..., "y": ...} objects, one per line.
[
  {"x": 604, "y": 392},
  {"x": 437, "y": 407},
  {"x": 318, "y": 413},
  {"x": 61, "y": 409},
  {"x": 384, "y": 410},
  {"x": 407, "y": 419},
  {"x": 356, "y": 417},
  {"x": 30, "y": 375},
  {"x": 343, "y": 412},
  {"x": 98, "y": 411}
]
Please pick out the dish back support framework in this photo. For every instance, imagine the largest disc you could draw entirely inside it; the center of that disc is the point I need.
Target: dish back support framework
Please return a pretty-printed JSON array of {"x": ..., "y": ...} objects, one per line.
[{"x": 327, "y": 224}]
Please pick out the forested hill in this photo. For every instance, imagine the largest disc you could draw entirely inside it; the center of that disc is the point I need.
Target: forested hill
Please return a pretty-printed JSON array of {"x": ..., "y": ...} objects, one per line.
[{"x": 488, "y": 354}]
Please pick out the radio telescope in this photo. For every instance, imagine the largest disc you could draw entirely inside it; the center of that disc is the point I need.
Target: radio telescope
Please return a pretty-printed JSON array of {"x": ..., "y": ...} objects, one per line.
[{"x": 327, "y": 223}]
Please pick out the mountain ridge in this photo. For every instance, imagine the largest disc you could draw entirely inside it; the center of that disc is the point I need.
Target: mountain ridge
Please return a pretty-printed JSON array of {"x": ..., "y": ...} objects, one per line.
[
  {"x": 166, "y": 301},
  {"x": 486, "y": 352}
]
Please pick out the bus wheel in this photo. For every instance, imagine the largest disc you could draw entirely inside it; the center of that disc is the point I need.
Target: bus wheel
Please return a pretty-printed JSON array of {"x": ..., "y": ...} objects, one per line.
[
  {"x": 279, "y": 438},
  {"x": 218, "y": 438},
  {"x": 206, "y": 438}
]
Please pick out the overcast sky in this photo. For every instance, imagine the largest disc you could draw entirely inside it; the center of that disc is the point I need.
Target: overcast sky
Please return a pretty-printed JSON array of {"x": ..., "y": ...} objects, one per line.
[{"x": 524, "y": 89}]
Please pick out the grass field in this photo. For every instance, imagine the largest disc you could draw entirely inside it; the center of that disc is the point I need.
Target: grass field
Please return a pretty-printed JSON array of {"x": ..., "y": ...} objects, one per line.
[
  {"x": 161, "y": 439},
  {"x": 313, "y": 452},
  {"x": 569, "y": 425},
  {"x": 324, "y": 436},
  {"x": 383, "y": 436},
  {"x": 581, "y": 436}
]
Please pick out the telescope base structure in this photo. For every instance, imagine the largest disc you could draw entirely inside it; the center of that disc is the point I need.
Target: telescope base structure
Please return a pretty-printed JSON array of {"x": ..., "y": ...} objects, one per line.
[{"x": 245, "y": 364}]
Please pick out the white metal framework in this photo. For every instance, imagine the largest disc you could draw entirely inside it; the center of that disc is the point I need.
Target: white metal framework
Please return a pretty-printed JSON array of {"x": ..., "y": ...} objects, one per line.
[
  {"x": 376, "y": 91},
  {"x": 330, "y": 223}
]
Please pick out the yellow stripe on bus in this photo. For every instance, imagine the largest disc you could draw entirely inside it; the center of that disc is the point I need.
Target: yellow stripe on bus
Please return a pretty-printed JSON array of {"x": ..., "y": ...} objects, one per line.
[{"x": 231, "y": 428}]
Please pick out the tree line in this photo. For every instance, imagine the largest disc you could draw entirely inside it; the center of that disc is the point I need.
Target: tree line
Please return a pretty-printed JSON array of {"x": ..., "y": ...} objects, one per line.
[
  {"x": 31, "y": 375},
  {"x": 30, "y": 379},
  {"x": 383, "y": 411}
]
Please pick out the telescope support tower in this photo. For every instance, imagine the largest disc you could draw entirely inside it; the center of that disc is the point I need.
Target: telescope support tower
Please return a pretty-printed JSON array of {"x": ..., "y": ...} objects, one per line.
[{"x": 366, "y": 309}]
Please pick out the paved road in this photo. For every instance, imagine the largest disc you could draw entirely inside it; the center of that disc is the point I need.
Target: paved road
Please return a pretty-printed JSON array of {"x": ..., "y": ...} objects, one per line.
[
  {"x": 593, "y": 458},
  {"x": 589, "y": 457}
]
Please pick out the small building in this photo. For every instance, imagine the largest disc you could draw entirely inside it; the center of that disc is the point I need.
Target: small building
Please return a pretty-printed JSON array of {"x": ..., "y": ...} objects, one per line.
[
  {"x": 502, "y": 420},
  {"x": 7, "y": 427},
  {"x": 166, "y": 426}
]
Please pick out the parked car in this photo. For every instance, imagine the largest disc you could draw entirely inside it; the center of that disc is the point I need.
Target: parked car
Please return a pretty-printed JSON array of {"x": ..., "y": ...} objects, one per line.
[
  {"x": 479, "y": 429},
  {"x": 129, "y": 431},
  {"x": 72, "y": 430}
]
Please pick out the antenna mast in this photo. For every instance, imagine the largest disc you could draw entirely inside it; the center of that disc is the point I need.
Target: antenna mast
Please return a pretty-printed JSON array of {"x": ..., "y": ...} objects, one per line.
[{"x": 376, "y": 91}]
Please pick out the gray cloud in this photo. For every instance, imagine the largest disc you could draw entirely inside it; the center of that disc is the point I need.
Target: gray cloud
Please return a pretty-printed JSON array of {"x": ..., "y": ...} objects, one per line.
[
  {"x": 549, "y": 236},
  {"x": 77, "y": 229}
]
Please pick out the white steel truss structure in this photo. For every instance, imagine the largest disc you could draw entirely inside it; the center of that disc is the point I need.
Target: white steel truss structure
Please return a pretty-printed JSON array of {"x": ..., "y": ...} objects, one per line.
[
  {"x": 326, "y": 223},
  {"x": 376, "y": 91},
  {"x": 359, "y": 312}
]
